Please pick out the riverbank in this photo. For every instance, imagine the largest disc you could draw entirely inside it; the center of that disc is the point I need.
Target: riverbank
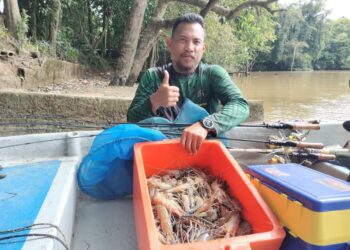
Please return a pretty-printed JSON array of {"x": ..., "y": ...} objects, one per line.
[{"x": 76, "y": 104}]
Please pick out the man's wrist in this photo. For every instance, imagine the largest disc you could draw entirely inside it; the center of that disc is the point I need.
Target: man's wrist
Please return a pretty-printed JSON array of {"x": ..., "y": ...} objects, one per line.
[{"x": 208, "y": 124}]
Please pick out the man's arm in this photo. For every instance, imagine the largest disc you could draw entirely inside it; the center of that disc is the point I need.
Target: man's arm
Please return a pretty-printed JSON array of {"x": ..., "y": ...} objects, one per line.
[
  {"x": 151, "y": 95},
  {"x": 141, "y": 107},
  {"x": 235, "y": 108}
]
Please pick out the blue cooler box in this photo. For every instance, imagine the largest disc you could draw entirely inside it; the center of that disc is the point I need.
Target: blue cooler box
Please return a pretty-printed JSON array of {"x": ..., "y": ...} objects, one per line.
[{"x": 312, "y": 206}]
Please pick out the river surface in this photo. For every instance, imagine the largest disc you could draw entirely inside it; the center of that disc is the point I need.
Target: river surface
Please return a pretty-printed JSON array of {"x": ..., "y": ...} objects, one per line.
[{"x": 323, "y": 95}]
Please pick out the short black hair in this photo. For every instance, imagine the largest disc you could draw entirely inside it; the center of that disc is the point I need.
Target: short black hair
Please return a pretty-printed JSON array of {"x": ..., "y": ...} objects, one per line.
[{"x": 188, "y": 18}]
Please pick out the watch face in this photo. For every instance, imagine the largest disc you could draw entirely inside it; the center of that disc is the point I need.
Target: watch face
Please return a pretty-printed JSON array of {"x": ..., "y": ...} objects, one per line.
[{"x": 208, "y": 123}]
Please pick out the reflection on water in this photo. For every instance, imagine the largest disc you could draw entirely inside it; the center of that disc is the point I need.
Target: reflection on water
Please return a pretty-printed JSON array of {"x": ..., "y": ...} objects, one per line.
[{"x": 321, "y": 95}]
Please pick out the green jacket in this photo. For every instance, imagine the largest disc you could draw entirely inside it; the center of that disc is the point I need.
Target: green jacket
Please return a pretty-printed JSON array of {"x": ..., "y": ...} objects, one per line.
[{"x": 209, "y": 86}]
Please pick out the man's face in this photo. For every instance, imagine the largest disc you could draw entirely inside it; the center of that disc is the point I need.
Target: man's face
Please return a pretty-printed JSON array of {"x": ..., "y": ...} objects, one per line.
[{"x": 187, "y": 47}]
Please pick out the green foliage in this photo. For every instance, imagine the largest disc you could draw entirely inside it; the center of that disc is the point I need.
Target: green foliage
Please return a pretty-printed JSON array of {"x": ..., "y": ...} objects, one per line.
[
  {"x": 121, "y": 14},
  {"x": 296, "y": 58},
  {"x": 94, "y": 61},
  {"x": 151, "y": 5},
  {"x": 22, "y": 28},
  {"x": 176, "y": 9},
  {"x": 307, "y": 39},
  {"x": 223, "y": 47},
  {"x": 233, "y": 44},
  {"x": 287, "y": 30},
  {"x": 43, "y": 47},
  {"x": 3, "y": 37},
  {"x": 336, "y": 54},
  {"x": 256, "y": 32},
  {"x": 65, "y": 50},
  {"x": 3, "y": 32},
  {"x": 300, "y": 35}
]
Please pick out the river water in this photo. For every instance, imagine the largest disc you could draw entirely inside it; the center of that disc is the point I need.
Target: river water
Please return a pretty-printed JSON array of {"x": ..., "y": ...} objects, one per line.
[{"x": 323, "y": 95}]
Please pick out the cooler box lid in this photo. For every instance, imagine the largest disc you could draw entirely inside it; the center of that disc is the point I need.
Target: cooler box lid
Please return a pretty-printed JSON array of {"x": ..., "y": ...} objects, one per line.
[{"x": 315, "y": 190}]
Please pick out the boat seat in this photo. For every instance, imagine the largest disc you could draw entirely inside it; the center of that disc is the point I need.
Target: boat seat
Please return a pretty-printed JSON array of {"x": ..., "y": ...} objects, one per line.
[{"x": 39, "y": 196}]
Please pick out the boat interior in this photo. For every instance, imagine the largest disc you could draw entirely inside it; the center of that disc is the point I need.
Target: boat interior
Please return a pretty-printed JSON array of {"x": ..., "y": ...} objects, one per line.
[{"x": 65, "y": 218}]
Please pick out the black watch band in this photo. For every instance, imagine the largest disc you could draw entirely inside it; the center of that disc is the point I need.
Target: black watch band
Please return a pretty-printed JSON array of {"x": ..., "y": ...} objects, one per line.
[{"x": 208, "y": 124}]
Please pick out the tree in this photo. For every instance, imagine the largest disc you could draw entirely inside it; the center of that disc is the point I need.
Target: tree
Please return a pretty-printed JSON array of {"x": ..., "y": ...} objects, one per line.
[
  {"x": 13, "y": 16},
  {"x": 313, "y": 31},
  {"x": 255, "y": 32},
  {"x": 33, "y": 18},
  {"x": 300, "y": 36},
  {"x": 124, "y": 62},
  {"x": 296, "y": 47},
  {"x": 157, "y": 23},
  {"x": 336, "y": 54},
  {"x": 56, "y": 7}
]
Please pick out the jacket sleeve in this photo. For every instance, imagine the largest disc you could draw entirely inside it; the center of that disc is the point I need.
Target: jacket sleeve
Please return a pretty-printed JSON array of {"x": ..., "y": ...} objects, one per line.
[
  {"x": 235, "y": 108},
  {"x": 140, "y": 107}
]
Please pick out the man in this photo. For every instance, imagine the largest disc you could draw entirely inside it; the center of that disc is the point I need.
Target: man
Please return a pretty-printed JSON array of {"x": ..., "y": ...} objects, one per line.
[{"x": 162, "y": 91}]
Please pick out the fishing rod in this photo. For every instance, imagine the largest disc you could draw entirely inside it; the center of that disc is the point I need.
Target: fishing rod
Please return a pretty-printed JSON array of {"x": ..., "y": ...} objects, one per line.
[
  {"x": 287, "y": 125},
  {"x": 52, "y": 117},
  {"x": 59, "y": 124},
  {"x": 167, "y": 130},
  {"x": 278, "y": 125},
  {"x": 282, "y": 143},
  {"x": 313, "y": 154},
  {"x": 286, "y": 143},
  {"x": 297, "y": 125},
  {"x": 48, "y": 140},
  {"x": 334, "y": 151}
]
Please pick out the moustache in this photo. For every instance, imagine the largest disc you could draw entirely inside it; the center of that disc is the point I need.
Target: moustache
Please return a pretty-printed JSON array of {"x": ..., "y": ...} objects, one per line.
[{"x": 187, "y": 55}]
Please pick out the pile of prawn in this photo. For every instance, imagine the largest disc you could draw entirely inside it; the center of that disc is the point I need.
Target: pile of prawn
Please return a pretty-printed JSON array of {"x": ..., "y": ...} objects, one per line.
[{"x": 189, "y": 206}]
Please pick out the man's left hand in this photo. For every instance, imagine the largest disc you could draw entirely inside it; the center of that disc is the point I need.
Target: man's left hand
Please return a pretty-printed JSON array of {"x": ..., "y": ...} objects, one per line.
[{"x": 193, "y": 137}]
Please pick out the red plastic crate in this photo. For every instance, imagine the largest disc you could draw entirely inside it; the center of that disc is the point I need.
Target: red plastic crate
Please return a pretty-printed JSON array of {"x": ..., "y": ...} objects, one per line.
[{"x": 155, "y": 157}]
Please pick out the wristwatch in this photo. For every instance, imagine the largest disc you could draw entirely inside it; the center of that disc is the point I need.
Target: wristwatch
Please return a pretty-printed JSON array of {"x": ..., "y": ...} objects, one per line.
[{"x": 208, "y": 124}]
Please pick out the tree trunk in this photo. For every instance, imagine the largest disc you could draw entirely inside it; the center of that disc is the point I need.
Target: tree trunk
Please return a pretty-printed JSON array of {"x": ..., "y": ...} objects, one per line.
[
  {"x": 109, "y": 44},
  {"x": 89, "y": 19},
  {"x": 129, "y": 44},
  {"x": 154, "y": 56},
  {"x": 294, "y": 52},
  {"x": 56, "y": 6},
  {"x": 149, "y": 38},
  {"x": 33, "y": 19},
  {"x": 13, "y": 17},
  {"x": 106, "y": 18}
]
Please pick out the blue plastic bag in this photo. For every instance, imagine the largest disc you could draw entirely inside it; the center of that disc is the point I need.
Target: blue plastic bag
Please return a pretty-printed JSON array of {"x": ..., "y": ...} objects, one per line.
[{"x": 190, "y": 113}]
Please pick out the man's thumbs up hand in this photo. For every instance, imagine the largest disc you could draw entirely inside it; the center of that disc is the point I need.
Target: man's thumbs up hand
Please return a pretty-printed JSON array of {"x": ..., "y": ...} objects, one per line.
[
  {"x": 166, "y": 95},
  {"x": 165, "y": 78}
]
